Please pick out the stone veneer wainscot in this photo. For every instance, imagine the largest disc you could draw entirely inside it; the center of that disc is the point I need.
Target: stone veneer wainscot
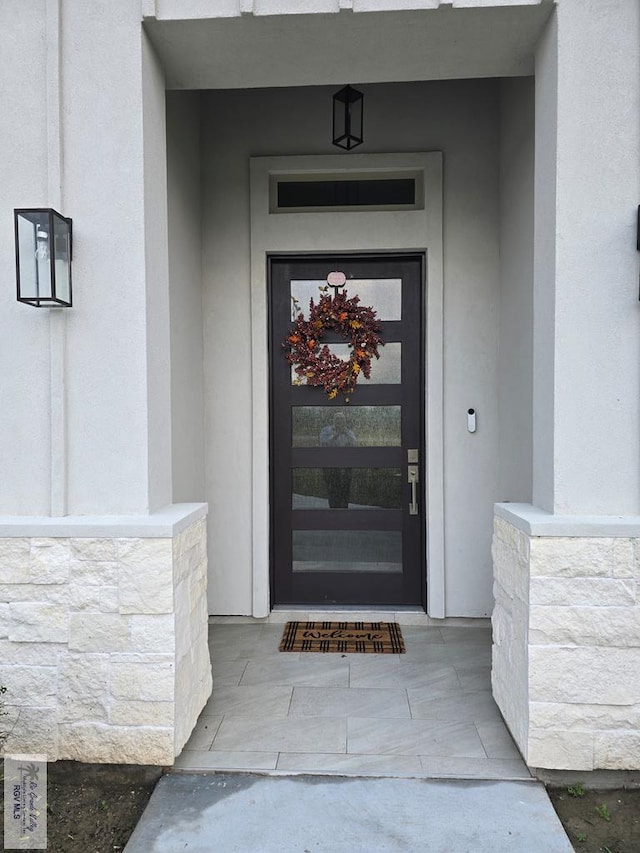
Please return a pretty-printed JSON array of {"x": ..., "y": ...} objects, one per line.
[
  {"x": 103, "y": 638},
  {"x": 566, "y": 646}
]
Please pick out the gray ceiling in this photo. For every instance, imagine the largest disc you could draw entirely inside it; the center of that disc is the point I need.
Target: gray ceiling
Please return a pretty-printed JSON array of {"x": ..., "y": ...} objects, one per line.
[{"x": 314, "y": 49}]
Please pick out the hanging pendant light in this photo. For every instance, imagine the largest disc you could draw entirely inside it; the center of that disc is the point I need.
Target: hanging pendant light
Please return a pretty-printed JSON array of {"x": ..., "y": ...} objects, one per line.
[{"x": 347, "y": 118}]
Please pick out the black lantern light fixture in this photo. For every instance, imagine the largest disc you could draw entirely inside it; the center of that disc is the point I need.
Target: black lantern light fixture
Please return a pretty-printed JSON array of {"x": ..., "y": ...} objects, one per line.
[
  {"x": 43, "y": 257},
  {"x": 347, "y": 118}
]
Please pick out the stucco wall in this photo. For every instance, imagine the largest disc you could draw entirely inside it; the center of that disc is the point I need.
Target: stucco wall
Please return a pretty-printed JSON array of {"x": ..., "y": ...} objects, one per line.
[
  {"x": 82, "y": 113},
  {"x": 104, "y": 192},
  {"x": 185, "y": 278},
  {"x": 458, "y": 118},
  {"x": 515, "y": 352},
  {"x": 586, "y": 319},
  {"x": 24, "y": 334}
]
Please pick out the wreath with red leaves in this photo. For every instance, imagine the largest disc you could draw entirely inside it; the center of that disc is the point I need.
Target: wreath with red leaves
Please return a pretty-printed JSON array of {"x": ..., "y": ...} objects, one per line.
[{"x": 315, "y": 363}]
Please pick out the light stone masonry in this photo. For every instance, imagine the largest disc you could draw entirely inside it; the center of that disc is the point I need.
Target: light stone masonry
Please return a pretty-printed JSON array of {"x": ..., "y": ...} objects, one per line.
[
  {"x": 103, "y": 644},
  {"x": 566, "y": 647}
]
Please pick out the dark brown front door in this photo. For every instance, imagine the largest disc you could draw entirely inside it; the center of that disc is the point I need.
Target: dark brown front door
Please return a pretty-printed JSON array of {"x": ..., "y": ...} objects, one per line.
[{"x": 346, "y": 520}]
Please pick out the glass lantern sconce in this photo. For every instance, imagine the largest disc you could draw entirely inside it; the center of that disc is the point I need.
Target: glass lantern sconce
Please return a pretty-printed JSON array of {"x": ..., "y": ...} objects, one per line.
[
  {"x": 43, "y": 257},
  {"x": 347, "y": 118}
]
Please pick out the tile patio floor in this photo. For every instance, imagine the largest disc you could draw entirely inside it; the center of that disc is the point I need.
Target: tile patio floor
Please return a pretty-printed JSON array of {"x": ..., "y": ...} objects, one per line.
[{"x": 427, "y": 713}]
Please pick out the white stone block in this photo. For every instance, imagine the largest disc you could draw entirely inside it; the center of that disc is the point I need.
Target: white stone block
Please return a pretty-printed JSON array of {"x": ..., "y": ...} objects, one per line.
[
  {"x": 509, "y": 571},
  {"x": 125, "y": 712},
  {"x": 83, "y": 597},
  {"x": 194, "y": 559},
  {"x": 617, "y": 751},
  {"x": 14, "y": 551},
  {"x": 183, "y": 616},
  {"x": 197, "y": 589},
  {"x": 47, "y": 593},
  {"x": 636, "y": 559},
  {"x": 594, "y": 592},
  {"x": 586, "y": 626},
  {"x": 38, "y": 622},
  {"x": 94, "y": 550},
  {"x": 506, "y": 532},
  {"x": 145, "y": 553},
  {"x": 571, "y": 557},
  {"x": 109, "y": 599},
  {"x": 147, "y": 682},
  {"x": 49, "y": 561},
  {"x": 193, "y": 688},
  {"x": 560, "y": 750},
  {"x": 101, "y": 743},
  {"x": 32, "y": 729},
  {"x": 99, "y": 599},
  {"x": 99, "y": 632},
  {"x": 31, "y": 654},
  {"x": 29, "y": 684},
  {"x": 557, "y": 715},
  {"x": 94, "y": 573},
  {"x": 83, "y": 688},
  {"x": 14, "y": 561},
  {"x": 5, "y": 621},
  {"x": 146, "y": 588},
  {"x": 599, "y": 676},
  {"x": 624, "y": 559},
  {"x": 153, "y": 633},
  {"x": 193, "y": 536}
]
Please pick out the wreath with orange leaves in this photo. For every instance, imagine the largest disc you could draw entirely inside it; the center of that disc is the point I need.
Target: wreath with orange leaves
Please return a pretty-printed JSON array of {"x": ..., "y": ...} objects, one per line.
[{"x": 313, "y": 361}]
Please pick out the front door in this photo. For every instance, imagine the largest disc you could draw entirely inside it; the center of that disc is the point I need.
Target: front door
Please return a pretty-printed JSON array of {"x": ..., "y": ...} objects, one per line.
[{"x": 347, "y": 513}]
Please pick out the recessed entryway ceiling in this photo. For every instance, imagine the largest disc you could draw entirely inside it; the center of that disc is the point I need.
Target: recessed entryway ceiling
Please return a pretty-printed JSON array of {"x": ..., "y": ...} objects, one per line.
[{"x": 313, "y": 49}]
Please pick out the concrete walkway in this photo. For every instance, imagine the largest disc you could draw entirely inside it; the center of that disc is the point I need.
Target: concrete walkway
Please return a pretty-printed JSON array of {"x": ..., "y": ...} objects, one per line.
[{"x": 235, "y": 813}]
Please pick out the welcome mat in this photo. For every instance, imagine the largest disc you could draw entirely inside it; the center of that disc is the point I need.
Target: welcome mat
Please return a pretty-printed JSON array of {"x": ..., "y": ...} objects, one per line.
[{"x": 363, "y": 637}]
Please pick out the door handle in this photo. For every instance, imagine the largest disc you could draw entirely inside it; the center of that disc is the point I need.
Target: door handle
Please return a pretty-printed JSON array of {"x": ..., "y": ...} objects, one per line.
[{"x": 412, "y": 479}]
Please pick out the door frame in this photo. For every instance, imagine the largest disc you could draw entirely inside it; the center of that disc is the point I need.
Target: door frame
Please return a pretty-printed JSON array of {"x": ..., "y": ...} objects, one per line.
[{"x": 344, "y": 232}]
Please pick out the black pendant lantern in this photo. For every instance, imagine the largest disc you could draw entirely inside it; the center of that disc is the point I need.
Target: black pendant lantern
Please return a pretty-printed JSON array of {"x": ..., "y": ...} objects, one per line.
[
  {"x": 347, "y": 118},
  {"x": 43, "y": 257}
]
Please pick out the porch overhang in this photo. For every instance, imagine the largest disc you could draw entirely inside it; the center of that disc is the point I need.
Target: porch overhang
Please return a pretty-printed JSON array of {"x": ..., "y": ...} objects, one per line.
[{"x": 271, "y": 50}]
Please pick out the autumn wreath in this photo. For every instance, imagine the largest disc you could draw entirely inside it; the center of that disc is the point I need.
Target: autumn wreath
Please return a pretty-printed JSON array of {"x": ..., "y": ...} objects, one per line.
[{"x": 314, "y": 362}]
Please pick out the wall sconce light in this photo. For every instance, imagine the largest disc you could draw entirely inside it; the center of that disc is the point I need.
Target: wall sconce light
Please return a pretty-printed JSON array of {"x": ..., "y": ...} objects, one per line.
[
  {"x": 43, "y": 257},
  {"x": 347, "y": 118}
]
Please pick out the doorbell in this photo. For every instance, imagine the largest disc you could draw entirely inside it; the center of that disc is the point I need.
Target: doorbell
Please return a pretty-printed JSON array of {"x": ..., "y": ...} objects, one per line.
[{"x": 471, "y": 420}]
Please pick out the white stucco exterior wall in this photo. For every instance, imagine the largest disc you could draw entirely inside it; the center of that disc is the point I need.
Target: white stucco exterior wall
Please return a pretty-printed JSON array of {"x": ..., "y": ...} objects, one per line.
[
  {"x": 157, "y": 281},
  {"x": 84, "y": 111},
  {"x": 587, "y": 339},
  {"x": 104, "y": 191},
  {"x": 544, "y": 268},
  {"x": 24, "y": 337},
  {"x": 185, "y": 275},
  {"x": 515, "y": 349},
  {"x": 460, "y": 119}
]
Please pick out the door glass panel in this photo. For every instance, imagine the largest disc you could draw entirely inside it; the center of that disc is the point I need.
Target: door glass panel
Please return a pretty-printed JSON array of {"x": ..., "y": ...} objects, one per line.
[
  {"x": 370, "y": 426},
  {"x": 384, "y": 295},
  {"x": 385, "y": 370},
  {"x": 347, "y": 551},
  {"x": 347, "y": 488}
]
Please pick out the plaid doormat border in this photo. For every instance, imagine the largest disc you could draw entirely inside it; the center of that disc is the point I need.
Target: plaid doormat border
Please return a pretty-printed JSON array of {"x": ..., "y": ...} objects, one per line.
[{"x": 360, "y": 637}]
